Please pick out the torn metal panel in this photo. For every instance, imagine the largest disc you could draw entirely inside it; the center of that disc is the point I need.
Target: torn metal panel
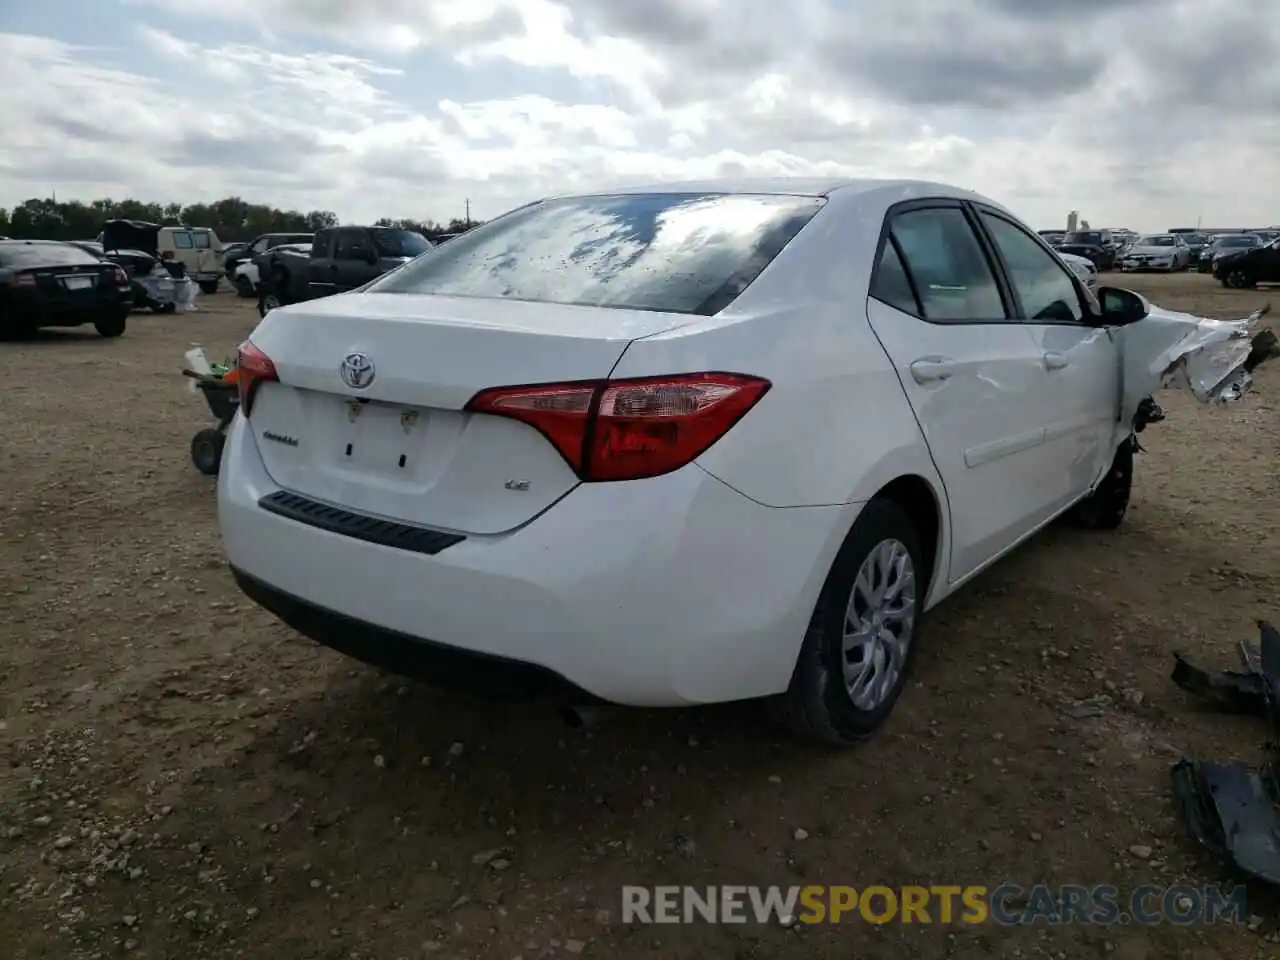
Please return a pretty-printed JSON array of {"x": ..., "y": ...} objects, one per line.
[{"x": 1214, "y": 359}]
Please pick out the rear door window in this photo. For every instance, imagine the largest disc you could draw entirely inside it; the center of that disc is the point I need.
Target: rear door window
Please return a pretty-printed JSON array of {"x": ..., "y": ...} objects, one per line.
[
  {"x": 691, "y": 253},
  {"x": 322, "y": 245},
  {"x": 946, "y": 263},
  {"x": 352, "y": 245},
  {"x": 200, "y": 239},
  {"x": 182, "y": 240}
]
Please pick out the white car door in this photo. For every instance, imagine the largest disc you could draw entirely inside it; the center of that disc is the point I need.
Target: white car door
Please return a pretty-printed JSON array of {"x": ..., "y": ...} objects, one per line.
[
  {"x": 1081, "y": 401},
  {"x": 974, "y": 376}
]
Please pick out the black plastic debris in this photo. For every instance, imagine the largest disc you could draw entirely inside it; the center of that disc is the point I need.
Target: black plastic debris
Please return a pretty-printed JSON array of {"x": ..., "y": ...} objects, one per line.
[
  {"x": 1231, "y": 808},
  {"x": 1228, "y": 691}
]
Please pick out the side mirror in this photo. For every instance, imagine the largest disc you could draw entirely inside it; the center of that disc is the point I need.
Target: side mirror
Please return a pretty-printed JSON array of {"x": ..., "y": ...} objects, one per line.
[{"x": 1121, "y": 307}]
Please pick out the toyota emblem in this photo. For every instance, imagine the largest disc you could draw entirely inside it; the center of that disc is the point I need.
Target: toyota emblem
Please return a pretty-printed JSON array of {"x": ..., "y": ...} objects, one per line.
[{"x": 356, "y": 371}]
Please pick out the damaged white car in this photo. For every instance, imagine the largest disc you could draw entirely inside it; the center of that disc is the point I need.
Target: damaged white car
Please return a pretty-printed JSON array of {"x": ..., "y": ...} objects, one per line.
[{"x": 690, "y": 443}]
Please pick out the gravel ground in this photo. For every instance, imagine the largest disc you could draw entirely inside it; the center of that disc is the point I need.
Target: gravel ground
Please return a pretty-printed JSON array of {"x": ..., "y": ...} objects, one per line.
[{"x": 187, "y": 778}]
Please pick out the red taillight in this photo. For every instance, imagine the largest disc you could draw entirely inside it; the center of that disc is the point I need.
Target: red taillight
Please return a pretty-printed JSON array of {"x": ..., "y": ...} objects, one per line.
[
  {"x": 629, "y": 429},
  {"x": 253, "y": 367}
]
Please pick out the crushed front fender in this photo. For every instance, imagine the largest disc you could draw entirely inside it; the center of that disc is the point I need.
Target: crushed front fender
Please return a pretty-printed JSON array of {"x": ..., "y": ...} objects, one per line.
[{"x": 1214, "y": 359}]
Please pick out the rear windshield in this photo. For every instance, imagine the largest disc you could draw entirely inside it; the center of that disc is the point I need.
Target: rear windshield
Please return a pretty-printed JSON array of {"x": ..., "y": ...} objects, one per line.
[
  {"x": 668, "y": 252},
  {"x": 1237, "y": 241},
  {"x": 43, "y": 255},
  {"x": 1157, "y": 241},
  {"x": 1084, "y": 238}
]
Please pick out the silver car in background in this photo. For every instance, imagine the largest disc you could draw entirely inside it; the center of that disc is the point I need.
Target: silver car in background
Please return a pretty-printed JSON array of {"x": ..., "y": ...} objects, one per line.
[{"x": 1166, "y": 252}]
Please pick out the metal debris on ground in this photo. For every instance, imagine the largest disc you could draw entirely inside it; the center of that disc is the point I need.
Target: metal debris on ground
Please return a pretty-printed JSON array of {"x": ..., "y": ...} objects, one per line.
[{"x": 1231, "y": 808}]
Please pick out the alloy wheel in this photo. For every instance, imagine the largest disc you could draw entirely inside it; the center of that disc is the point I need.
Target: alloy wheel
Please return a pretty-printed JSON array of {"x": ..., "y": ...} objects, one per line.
[{"x": 879, "y": 624}]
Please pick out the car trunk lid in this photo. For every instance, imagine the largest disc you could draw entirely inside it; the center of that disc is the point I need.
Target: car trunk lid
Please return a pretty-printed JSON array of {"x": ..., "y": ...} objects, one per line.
[{"x": 402, "y": 447}]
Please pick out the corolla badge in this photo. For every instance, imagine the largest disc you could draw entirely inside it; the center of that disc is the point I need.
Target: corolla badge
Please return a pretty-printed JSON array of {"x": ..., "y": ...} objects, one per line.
[{"x": 356, "y": 370}]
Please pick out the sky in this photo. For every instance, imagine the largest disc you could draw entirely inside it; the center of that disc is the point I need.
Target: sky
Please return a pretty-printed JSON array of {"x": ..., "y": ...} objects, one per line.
[{"x": 1146, "y": 114}]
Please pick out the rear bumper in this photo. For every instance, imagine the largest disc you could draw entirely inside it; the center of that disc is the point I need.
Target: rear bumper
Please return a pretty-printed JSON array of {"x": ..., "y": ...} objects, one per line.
[
  {"x": 42, "y": 312},
  {"x": 664, "y": 592}
]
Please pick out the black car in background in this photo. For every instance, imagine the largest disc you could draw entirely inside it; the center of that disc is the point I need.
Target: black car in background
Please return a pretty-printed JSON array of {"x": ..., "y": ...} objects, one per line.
[
  {"x": 1053, "y": 237},
  {"x": 1225, "y": 244},
  {"x": 1097, "y": 246},
  {"x": 340, "y": 259},
  {"x": 44, "y": 283},
  {"x": 257, "y": 246},
  {"x": 1245, "y": 269}
]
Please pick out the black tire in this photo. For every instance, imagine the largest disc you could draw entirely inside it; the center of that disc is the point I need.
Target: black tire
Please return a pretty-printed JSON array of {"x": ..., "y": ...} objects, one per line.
[
  {"x": 1105, "y": 508},
  {"x": 817, "y": 706},
  {"x": 112, "y": 326},
  {"x": 1239, "y": 278},
  {"x": 209, "y": 287},
  {"x": 206, "y": 451},
  {"x": 244, "y": 287}
]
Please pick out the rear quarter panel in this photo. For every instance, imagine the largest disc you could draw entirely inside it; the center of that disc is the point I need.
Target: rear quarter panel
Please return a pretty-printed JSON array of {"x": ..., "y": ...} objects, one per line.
[{"x": 835, "y": 426}]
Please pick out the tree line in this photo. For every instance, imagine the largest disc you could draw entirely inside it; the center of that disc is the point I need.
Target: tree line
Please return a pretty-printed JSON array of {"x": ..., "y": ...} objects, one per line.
[{"x": 231, "y": 219}]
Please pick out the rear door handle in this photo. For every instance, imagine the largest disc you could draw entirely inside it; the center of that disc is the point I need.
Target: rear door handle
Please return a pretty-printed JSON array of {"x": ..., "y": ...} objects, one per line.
[
  {"x": 932, "y": 369},
  {"x": 1053, "y": 360}
]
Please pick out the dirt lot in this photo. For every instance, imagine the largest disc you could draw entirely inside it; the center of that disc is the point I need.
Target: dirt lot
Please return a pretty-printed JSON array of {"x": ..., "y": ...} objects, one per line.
[{"x": 187, "y": 778}]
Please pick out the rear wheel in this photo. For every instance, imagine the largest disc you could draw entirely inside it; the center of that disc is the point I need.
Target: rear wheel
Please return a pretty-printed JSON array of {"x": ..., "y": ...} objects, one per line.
[
  {"x": 862, "y": 638},
  {"x": 112, "y": 326},
  {"x": 209, "y": 286},
  {"x": 244, "y": 286},
  {"x": 206, "y": 451},
  {"x": 1240, "y": 279},
  {"x": 1105, "y": 508}
]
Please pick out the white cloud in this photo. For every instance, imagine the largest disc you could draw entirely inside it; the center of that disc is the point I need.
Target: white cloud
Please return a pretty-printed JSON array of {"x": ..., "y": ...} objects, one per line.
[{"x": 1137, "y": 112}]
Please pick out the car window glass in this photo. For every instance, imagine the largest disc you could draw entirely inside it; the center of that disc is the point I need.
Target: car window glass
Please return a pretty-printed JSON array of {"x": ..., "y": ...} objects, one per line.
[
  {"x": 200, "y": 238},
  {"x": 182, "y": 239},
  {"x": 890, "y": 285},
  {"x": 321, "y": 245},
  {"x": 43, "y": 254},
  {"x": 944, "y": 259},
  {"x": 691, "y": 253},
  {"x": 1044, "y": 287},
  {"x": 258, "y": 246},
  {"x": 352, "y": 245}
]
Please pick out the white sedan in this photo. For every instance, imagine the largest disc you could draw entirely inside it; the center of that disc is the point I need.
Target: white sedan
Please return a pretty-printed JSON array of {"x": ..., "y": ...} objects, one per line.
[
  {"x": 1157, "y": 251},
  {"x": 679, "y": 444},
  {"x": 246, "y": 277},
  {"x": 1082, "y": 267}
]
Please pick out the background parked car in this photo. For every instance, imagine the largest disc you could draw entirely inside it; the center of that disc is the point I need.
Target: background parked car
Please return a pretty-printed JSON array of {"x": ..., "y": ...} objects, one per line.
[
  {"x": 137, "y": 264},
  {"x": 1196, "y": 242},
  {"x": 186, "y": 251},
  {"x": 44, "y": 283},
  {"x": 257, "y": 246},
  {"x": 340, "y": 260},
  {"x": 1245, "y": 269},
  {"x": 1225, "y": 243},
  {"x": 1083, "y": 268},
  {"x": 1157, "y": 251},
  {"x": 1096, "y": 245},
  {"x": 248, "y": 273},
  {"x": 1053, "y": 237}
]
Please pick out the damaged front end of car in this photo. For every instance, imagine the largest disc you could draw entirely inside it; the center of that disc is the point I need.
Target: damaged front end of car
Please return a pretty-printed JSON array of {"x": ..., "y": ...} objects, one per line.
[{"x": 1214, "y": 359}]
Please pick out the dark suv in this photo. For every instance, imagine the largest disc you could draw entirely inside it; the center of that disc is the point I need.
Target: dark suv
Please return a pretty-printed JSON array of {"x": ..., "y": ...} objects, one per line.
[{"x": 1098, "y": 246}]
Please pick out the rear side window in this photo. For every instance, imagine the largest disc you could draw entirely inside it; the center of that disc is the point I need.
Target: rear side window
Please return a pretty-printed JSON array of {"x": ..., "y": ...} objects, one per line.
[
  {"x": 674, "y": 253},
  {"x": 200, "y": 239},
  {"x": 322, "y": 243},
  {"x": 43, "y": 255},
  {"x": 891, "y": 285},
  {"x": 942, "y": 256},
  {"x": 182, "y": 240}
]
